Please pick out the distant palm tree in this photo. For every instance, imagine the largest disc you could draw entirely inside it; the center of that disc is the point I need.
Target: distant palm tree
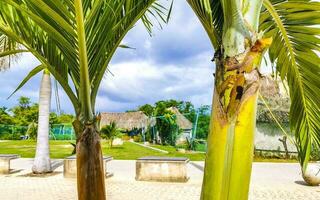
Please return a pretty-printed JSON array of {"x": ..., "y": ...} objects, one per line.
[
  {"x": 75, "y": 40},
  {"x": 110, "y": 132},
  {"x": 241, "y": 31},
  {"x": 9, "y": 49},
  {"x": 42, "y": 162}
]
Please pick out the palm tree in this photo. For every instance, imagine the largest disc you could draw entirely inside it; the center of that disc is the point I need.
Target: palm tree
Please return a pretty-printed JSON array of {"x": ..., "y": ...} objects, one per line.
[
  {"x": 110, "y": 132},
  {"x": 240, "y": 32},
  {"x": 9, "y": 50},
  {"x": 75, "y": 41},
  {"x": 42, "y": 162}
]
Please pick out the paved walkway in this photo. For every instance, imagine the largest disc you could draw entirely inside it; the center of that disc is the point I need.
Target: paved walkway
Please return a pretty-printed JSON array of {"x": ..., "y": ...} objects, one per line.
[{"x": 269, "y": 182}]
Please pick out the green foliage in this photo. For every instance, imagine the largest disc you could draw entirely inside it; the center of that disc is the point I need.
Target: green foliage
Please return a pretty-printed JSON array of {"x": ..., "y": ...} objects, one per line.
[
  {"x": 10, "y": 136},
  {"x": 203, "y": 122},
  {"x": 24, "y": 102},
  {"x": 61, "y": 119},
  {"x": 186, "y": 108},
  {"x": 294, "y": 26},
  {"x": 192, "y": 143},
  {"x": 65, "y": 119},
  {"x": 137, "y": 138},
  {"x": 147, "y": 109},
  {"x": 76, "y": 50},
  {"x": 5, "y": 118},
  {"x": 25, "y": 112},
  {"x": 210, "y": 14},
  {"x": 166, "y": 124},
  {"x": 24, "y": 121}
]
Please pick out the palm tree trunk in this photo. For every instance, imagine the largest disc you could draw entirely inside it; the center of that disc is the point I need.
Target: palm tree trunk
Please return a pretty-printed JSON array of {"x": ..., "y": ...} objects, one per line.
[
  {"x": 232, "y": 127},
  {"x": 42, "y": 163},
  {"x": 90, "y": 171},
  {"x": 230, "y": 153}
]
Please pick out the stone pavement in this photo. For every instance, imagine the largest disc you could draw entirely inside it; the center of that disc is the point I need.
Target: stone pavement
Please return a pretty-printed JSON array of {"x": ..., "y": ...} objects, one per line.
[{"x": 269, "y": 182}]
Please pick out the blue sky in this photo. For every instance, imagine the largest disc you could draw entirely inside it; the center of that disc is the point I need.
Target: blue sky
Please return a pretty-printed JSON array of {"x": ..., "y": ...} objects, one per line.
[{"x": 172, "y": 64}]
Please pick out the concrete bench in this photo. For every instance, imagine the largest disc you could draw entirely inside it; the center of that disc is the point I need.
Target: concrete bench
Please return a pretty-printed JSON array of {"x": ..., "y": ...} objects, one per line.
[
  {"x": 5, "y": 162},
  {"x": 70, "y": 166},
  {"x": 162, "y": 169}
]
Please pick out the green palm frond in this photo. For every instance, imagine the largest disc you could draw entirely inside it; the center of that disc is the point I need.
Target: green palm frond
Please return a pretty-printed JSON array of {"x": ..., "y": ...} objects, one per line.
[
  {"x": 294, "y": 26},
  {"x": 210, "y": 14},
  {"x": 50, "y": 30}
]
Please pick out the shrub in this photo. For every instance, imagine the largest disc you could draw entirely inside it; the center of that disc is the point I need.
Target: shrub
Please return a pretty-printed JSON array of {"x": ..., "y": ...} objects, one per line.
[
  {"x": 125, "y": 137},
  {"x": 137, "y": 138},
  {"x": 10, "y": 136},
  {"x": 192, "y": 143}
]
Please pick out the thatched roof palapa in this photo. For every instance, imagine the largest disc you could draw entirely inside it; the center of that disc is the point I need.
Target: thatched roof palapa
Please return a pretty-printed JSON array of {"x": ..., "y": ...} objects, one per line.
[
  {"x": 182, "y": 121},
  {"x": 127, "y": 120}
]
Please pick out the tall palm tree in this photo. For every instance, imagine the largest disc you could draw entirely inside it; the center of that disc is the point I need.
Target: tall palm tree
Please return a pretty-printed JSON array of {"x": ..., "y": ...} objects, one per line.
[
  {"x": 241, "y": 31},
  {"x": 42, "y": 162},
  {"x": 9, "y": 50},
  {"x": 75, "y": 41}
]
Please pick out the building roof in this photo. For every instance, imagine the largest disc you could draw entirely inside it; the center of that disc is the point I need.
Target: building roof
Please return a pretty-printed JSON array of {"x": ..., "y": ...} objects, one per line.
[
  {"x": 182, "y": 121},
  {"x": 127, "y": 120},
  {"x": 131, "y": 120}
]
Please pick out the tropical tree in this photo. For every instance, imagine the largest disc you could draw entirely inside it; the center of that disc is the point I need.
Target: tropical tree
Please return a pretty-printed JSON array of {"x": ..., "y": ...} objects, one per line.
[
  {"x": 42, "y": 162},
  {"x": 240, "y": 32},
  {"x": 166, "y": 122},
  {"x": 5, "y": 118},
  {"x": 110, "y": 132},
  {"x": 75, "y": 41},
  {"x": 10, "y": 49}
]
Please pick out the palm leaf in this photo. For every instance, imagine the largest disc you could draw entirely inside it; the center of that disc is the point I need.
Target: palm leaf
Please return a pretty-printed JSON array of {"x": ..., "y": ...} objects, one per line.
[
  {"x": 210, "y": 14},
  {"x": 31, "y": 74},
  {"x": 71, "y": 46},
  {"x": 293, "y": 26}
]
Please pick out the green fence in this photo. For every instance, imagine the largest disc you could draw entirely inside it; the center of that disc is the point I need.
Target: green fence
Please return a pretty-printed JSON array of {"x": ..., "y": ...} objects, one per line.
[
  {"x": 62, "y": 132},
  {"x": 57, "y": 132}
]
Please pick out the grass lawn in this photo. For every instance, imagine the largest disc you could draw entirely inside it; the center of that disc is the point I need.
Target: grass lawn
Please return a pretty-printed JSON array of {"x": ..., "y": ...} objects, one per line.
[
  {"x": 129, "y": 151},
  {"x": 62, "y": 149},
  {"x": 173, "y": 153}
]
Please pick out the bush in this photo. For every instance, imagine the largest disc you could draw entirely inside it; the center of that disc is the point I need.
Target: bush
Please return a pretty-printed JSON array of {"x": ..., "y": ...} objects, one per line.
[
  {"x": 192, "y": 143},
  {"x": 125, "y": 137},
  {"x": 137, "y": 138},
  {"x": 10, "y": 136}
]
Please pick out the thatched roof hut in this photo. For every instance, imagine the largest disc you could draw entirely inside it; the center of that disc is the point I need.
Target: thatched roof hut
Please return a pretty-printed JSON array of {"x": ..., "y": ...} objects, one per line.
[
  {"x": 182, "y": 121},
  {"x": 271, "y": 87},
  {"x": 277, "y": 99},
  {"x": 127, "y": 120}
]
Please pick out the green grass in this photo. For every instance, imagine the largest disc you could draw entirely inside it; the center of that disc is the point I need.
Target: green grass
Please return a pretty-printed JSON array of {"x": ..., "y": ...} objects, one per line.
[
  {"x": 129, "y": 151},
  {"x": 173, "y": 153},
  {"x": 26, "y": 148},
  {"x": 62, "y": 149}
]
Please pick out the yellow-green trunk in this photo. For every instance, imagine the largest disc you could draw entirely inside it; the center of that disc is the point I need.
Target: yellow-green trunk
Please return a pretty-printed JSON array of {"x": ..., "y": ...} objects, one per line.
[
  {"x": 231, "y": 138},
  {"x": 230, "y": 153}
]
